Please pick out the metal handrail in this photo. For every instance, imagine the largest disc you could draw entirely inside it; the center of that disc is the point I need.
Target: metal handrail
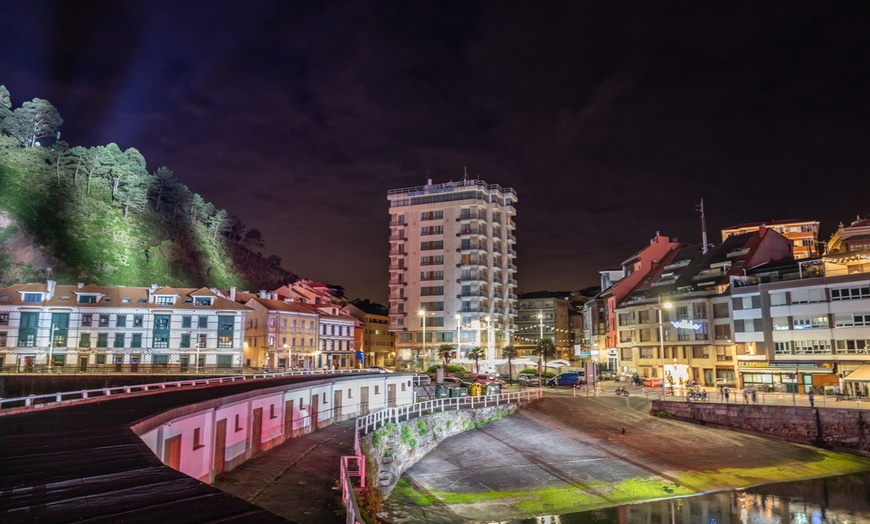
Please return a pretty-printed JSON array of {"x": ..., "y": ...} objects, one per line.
[
  {"x": 372, "y": 421},
  {"x": 65, "y": 397}
]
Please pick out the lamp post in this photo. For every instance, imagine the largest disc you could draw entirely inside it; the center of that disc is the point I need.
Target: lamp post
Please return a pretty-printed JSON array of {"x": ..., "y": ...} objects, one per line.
[
  {"x": 666, "y": 305},
  {"x": 422, "y": 315},
  {"x": 458, "y": 318},
  {"x": 541, "y": 361},
  {"x": 51, "y": 348}
]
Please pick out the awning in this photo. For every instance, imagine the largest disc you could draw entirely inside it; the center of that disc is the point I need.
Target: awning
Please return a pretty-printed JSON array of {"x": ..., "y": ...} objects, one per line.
[{"x": 861, "y": 374}]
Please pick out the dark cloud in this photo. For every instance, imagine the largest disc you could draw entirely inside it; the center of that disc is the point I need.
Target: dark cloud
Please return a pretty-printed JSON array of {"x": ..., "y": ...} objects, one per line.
[{"x": 611, "y": 120}]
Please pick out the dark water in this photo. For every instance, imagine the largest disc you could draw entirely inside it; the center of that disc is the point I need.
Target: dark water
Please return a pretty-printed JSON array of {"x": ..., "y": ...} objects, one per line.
[{"x": 834, "y": 500}]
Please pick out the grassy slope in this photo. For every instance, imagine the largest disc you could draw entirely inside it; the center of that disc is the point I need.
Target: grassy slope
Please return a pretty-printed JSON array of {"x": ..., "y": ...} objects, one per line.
[{"x": 87, "y": 240}]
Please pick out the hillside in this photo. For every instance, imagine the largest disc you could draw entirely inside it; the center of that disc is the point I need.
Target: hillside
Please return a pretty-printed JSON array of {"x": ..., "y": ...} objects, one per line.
[{"x": 97, "y": 215}]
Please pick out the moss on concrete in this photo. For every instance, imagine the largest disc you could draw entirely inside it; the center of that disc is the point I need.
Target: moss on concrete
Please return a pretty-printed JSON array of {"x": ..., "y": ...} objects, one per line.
[{"x": 601, "y": 495}]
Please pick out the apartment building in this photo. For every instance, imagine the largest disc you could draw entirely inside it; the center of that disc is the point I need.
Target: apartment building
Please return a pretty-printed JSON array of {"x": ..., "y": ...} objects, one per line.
[
  {"x": 804, "y": 234},
  {"x": 452, "y": 271},
  {"x": 377, "y": 342},
  {"x": 676, "y": 323},
  {"x": 852, "y": 238},
  {"x": 280, "y": 335},
  {"x": 805, "y": 325},
  {"x": 599, "y": 312},
  {"x": 82, "y": 327},
  {"x": 543, "y": 314}
]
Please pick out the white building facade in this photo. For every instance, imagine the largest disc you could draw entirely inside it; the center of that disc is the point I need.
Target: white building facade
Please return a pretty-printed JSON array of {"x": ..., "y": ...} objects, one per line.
[
  {"x": 64, "y": 328},
  {"x": 452, "y": 268}
]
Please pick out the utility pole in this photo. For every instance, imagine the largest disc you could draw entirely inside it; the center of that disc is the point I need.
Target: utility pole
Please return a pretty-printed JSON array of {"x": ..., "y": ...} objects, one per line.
[{"x": 703, "y": 227}]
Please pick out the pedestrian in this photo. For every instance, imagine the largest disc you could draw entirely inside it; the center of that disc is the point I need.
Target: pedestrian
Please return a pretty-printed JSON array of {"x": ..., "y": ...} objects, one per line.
[
  {"x": 264, "y": 368},
  {"x": 812, "y": 399},
  {"x": 754, "y": 396},
  {"x": 746, "y": 395},
  {"x": 725, "y": 392}
]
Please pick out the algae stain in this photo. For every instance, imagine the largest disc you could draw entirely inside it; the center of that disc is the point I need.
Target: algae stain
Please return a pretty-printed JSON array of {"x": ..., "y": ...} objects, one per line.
[{"x": 829, "y": 464}]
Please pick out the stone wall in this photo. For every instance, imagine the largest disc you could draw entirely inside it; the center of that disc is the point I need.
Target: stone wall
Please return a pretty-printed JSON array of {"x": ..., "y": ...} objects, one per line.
[
  {"x": 394, "y": 448},
  {"x": 840, "y": 429}
]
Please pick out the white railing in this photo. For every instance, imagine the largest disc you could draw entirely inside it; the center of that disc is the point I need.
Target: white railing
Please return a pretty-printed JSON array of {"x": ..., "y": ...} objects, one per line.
[
  {"x": 381, "y": 417},
  {"x": 65, "y": 397},
  {"x": 377, "y": 419}
]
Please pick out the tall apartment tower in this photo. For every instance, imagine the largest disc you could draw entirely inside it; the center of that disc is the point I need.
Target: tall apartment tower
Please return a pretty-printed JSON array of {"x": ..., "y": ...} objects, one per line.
[{"x": 452, "y": 270}]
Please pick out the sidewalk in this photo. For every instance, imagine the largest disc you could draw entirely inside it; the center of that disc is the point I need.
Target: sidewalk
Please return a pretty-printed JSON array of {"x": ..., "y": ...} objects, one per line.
[{"x": 296, "y": 480}]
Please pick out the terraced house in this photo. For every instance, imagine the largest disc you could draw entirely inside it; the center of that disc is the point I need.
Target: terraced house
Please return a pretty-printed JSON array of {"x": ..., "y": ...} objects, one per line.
[
  {"x": 84, "y": 328},
  {"x": 676, "y": 323}
]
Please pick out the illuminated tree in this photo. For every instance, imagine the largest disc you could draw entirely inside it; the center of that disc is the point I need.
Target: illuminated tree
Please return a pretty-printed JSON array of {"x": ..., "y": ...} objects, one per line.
[{"x": 33, "y": 120}]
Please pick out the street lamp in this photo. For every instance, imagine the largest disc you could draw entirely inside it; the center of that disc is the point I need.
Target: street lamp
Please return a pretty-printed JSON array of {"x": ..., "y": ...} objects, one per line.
[
  {"x": 51, "y": 348},
  {"x": 422, "y": 315},
  {"x": 541, "y": 360},
  {"x": 666, "y": 305},
  {"x": 458, "y": 318}
]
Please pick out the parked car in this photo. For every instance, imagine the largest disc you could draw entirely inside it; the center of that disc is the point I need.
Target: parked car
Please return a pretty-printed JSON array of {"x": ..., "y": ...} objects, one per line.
[
  {"x": 526, "y": 379},
  {"x": 566, "y": 379},
  {"x": 455, "y": 382},
  {"x": 480, "y": 378},
  {"x": 379, "y": 369}
]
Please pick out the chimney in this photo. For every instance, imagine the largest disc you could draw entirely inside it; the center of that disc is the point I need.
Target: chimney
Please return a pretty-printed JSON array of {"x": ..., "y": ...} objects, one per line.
[
  {"x": 233, "y": 293},
  {"x": 263, "y": 293},
  {"x": 274, "y": 295},
  {"x": 51, "y": 285},
  {"x": 81, "y": 285}
]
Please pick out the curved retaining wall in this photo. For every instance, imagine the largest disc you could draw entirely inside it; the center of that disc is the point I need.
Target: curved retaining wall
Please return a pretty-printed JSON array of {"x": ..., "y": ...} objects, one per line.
[
  {"x": 396, "y": 447},
  {"x": 841, "y": 429},
  {"x": 208, "y": 438}
]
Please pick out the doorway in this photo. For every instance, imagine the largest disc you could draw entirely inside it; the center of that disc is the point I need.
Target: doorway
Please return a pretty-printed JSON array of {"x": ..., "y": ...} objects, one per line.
[
  {"x": 220, "y": 446},
  {"x": 257, "y": 432},
  {"x": 172, "y": 452}
]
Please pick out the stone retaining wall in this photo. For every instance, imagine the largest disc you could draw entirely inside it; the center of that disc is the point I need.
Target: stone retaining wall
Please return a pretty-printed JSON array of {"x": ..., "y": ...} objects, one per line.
[
  {"x": 841, "y": 429},
  {"x": 394, "y": 448}
]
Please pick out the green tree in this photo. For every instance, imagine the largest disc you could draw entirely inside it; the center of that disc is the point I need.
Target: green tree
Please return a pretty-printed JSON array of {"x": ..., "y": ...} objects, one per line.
[
  {"x": 476, "y": 353},
  {"x": 545, "y": 348},
  {"x": 254, "y": 238},
  {"x": 446, "y": 351},
  {"x": 33, "y": 120},
  {"x": 77, "y": 155},
  {"x": 163, "y": 187},
  {"x": 219, "y": 223},
  {"x": 5, "y": 105},
  {"x": 510, "y": 353},
  {"x": 60, "y": 157}
]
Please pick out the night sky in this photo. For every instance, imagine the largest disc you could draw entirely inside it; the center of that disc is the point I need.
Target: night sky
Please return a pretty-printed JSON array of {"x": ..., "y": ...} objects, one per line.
[{"x": 611, "y": 120}]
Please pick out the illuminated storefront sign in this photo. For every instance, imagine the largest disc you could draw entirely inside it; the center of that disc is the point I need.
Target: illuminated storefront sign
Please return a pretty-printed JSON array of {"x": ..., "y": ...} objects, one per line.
[{"x": 686, "y": 324}]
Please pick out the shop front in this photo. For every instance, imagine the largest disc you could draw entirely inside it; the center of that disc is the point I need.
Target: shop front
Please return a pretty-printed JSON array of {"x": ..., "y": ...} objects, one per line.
[{"x": 787, "y": 377}]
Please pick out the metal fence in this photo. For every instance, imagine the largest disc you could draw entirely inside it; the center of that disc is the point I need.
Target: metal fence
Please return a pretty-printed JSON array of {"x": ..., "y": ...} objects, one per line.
[
  {"x": 66, "y": 397},
  {"x": 376, "y": 419}
]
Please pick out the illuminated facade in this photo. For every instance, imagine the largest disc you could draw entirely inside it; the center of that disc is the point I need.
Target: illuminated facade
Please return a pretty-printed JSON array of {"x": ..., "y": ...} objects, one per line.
[
  {"x": 543, "y": 313},
  {"x": 691, "y": 289},
  {"x": 377, "y": 342},
  {"x": 87, "y": 327},
  {"x": 804, "y": 234},
  {"x": 452, "y": 258}
]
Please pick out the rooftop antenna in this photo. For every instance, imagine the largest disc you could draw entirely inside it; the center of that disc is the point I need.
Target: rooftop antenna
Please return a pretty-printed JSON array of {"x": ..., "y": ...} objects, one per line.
[
  {"x": 465, "y": 176},
  {"x": 700, "y": 208}
]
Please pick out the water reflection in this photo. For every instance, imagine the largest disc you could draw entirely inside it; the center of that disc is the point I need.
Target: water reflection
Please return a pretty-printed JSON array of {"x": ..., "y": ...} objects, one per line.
[{"x": 834, "y": 500}]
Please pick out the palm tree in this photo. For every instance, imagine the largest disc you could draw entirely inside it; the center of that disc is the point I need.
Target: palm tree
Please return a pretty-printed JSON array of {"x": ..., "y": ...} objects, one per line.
[
  {"x": 476, "y": 353},
  {"x": 445, "y": 351},
  {"x": 545, "y": 348},
  {"x": 510, "y": 353}
]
